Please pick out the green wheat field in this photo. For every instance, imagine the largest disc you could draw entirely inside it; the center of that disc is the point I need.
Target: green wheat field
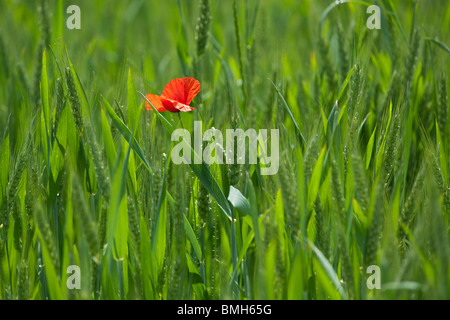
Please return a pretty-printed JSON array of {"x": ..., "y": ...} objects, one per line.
[{"x": 360, "y": 205}]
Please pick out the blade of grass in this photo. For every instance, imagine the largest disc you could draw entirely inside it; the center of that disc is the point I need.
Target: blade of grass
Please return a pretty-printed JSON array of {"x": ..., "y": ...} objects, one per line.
[
  {"x": 127, "y": 134},
  {"x": 289, "y": 112}
]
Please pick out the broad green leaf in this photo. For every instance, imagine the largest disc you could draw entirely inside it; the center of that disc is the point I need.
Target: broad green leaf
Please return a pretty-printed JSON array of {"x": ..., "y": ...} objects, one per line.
[
  {"x": 196, "y": 279},
  {"x": 295, "y": 283},
  {"x": 238, "y": 201},
  {"x": 204, "y": 175},
  {"x": 329, "y": 271}
]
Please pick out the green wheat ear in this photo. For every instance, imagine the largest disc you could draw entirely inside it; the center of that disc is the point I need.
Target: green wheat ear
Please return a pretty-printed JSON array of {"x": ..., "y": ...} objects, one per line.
[
  {"x": 355, "y": 92},
  {"x": 23, "y": 285},
  {"x": 98, "y": 156},
  {"x": 442, "y": 186},
  {"x": 442, "y": 106},
  {"x": 323, "y": 229},
  {"x": 177, "y": 270},
  {"x": 289, "y": 193},
  {"x": 44, "y": 41},
  {"x": 203, "y": 204},
  {"x": 407, "y": 213},
  {"x": 44, "y": 227},
  {"x": 391, "y": 151},
  {"x": 12, "y": 189},
  {"x": 411, "y": 61},
  {"x": 37, "y": 74},
  {"x": 74, "y": 102},
  {"x": 60, "y": 103},
  {"x": 312, "y": 152},
  {"x": 202, "y": 29},
  {"x": 362, "y": 191},
  {"x": 327, "y": 69},
  {"x": 87, "y": 223},
  {"x": 342, "y": 52},
  {"x": 375, "y": 227},
  {"x": 3, "y": 55},
  {"x": 344, "y": 252}
]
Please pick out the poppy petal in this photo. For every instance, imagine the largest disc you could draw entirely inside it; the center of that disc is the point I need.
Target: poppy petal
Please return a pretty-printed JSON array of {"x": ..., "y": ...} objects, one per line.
[
  {"x": 155, "y": 101},
  {"x": 182, "y": 90},
  {"x": 169, "y": 104},
  {"x": 183, "y": 108}
]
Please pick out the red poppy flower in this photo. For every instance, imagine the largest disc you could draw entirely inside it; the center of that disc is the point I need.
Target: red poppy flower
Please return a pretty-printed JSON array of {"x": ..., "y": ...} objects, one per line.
[{"x": 176, "y": 96}]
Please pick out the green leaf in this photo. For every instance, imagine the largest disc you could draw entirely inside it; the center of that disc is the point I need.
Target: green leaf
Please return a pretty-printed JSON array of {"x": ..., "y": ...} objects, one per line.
[
  {"x": 380, "y": 155},
  {"x": 316, "y": 176},
  {"x": 44, "y": 93},
  {"x": 329, "y": 271},
  {"x": 279, "y": 218},
  {"x": 80, "y": 90},
  {"x": 45, "y": 111},
  {"x": 439, "y": 44},
  {"x": 289, "y": 112},
  {"x": 344, "y": 84},
  {"x": 108, "y": 141},
  {"x": 4, "y": 165},
  {"x": 117, "y": 231},
  {"x": 50, "y": 272},
  {"x": 204, "y": 175},
  {"x": 370, "y": 148},
  {"x": 126, "y": 133},
  {"x": 196, "y": 279},
  {"x": 159, "y": 234},
  {"x": 191, "y": 236},
  {"x": 442, "y": 152},
  {"x": 148, "y": 268},
  {"x": 58, "y": 22},
  {"x": 238, "y": 201},
  {"x": 169, "y": 127},
  {"x": 132, "y": 100}
]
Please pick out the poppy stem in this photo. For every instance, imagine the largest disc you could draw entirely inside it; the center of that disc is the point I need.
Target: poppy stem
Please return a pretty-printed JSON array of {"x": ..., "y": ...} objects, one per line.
[{"x": 179, "y": 116}]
